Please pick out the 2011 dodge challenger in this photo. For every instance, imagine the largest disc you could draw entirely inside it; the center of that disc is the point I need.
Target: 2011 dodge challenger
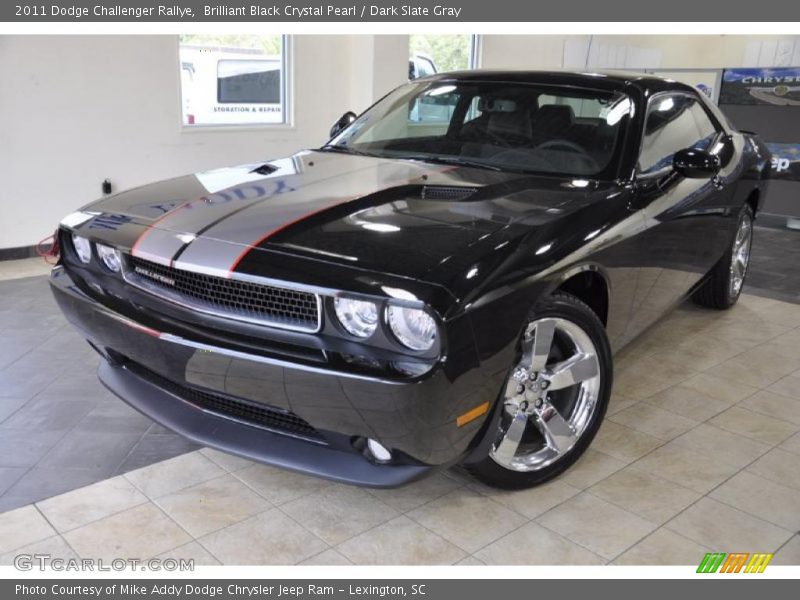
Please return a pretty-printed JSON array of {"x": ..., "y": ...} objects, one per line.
[{"x": 445, "y": 281}]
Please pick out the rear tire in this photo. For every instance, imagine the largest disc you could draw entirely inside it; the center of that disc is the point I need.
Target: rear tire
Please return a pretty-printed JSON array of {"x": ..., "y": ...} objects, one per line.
[
  {"x": 554, "y": 399},
  {"x": 724, "y": 284}
]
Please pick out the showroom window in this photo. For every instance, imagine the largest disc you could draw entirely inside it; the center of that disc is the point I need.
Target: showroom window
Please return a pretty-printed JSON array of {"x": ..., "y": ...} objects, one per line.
[
  {"x": 233, "y": 80},
  {"x": 431, "y": 54},
  {"x": 674, "y": 122}
]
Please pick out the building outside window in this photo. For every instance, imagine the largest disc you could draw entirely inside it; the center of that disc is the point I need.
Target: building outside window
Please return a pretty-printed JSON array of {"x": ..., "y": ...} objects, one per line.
[
  {"x": 430, "y": 54},
  {"x": 233, "y": 80}
]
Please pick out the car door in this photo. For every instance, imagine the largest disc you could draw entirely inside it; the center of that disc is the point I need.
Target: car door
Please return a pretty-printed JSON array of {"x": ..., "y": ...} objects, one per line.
[{"x": 686, "y": 220}]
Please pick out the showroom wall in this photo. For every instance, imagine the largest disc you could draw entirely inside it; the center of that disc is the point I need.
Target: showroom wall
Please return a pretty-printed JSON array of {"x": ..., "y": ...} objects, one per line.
[{"x": 114, "y": 102}]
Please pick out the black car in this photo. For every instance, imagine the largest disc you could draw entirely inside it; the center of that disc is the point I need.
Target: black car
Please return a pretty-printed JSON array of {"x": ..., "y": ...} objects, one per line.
[{"x": 445, "y": 281}]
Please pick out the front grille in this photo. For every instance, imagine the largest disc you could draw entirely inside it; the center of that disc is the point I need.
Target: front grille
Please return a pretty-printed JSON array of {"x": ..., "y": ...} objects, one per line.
[
  {"x": 233, "y": 298},
  {"x": 238, "y": 409}
]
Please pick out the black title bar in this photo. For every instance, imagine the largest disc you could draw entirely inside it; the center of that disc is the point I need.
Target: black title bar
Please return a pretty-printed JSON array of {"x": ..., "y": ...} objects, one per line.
[{"x": 354, "y": 11}]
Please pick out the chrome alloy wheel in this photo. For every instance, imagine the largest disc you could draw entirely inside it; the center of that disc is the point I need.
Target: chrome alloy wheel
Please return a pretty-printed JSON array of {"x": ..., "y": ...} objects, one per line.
[
  {"x": 740, "y": 254},
  {"x": 550, "y": 396}
]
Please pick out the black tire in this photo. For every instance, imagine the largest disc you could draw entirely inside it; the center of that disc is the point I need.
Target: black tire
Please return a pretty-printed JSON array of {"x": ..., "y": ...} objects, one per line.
[
  {"x": 564, "y": 306},
  {"x": 716, "y": 291}
]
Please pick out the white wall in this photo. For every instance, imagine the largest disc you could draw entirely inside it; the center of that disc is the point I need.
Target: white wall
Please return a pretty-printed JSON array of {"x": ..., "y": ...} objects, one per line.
[
  {"x": 77, "y": 109},
  {"x": 523, "y": 51},
  {"x": 380, "y": 63}
]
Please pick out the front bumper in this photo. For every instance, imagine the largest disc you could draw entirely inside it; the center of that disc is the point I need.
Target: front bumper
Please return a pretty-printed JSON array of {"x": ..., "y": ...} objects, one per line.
[{"x": 416, "y": 419}]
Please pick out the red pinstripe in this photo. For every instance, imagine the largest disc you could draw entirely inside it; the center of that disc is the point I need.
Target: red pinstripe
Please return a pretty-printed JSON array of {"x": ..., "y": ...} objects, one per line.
[
  {"x": 277, "y": 230},
  {"x": 285, "y": 226},
  {"x": 170, "y": 212}
]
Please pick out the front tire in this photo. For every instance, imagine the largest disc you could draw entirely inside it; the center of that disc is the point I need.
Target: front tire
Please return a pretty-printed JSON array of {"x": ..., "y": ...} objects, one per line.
[
  {"x": 725, "y": 282},
  {"x": 554, "y": 399}
]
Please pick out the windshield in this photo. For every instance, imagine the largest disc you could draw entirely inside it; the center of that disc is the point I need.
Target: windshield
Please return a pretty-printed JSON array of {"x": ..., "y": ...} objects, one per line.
[{"x": 518, "y": 127}]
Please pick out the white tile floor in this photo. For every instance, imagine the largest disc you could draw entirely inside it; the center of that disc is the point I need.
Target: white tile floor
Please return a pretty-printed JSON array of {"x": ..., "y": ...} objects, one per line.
[
  {"x": 27, "y": 267},
  {"x": 700, "y": 451}
]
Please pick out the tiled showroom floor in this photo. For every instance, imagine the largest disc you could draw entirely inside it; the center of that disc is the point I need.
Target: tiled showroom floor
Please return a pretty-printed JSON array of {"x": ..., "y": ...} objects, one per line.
[
  {"x": 59, "y": 428},
  {"x": 700, "y": 451}
]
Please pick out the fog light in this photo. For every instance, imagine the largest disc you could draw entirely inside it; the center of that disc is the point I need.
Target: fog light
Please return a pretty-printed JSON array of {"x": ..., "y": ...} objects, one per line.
[
  {"x": 110, "y": 257},
  {"x": 362, "y": 361},
  {"x": 379, "y": 452},
  {"x": 412, "y": 368},
  {"x": 83, "y": 248}
]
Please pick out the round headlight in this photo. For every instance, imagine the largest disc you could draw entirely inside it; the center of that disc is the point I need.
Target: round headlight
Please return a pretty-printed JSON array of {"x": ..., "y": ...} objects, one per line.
[
  {"x": 83, "y": 248},
  {"x": 414, "y": 327},
  {"x": 358, "y": 317},
  {"x": 110, "y": 257}
]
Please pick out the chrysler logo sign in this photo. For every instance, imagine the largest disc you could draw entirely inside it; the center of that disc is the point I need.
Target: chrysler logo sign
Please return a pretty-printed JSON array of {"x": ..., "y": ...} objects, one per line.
[{"x": 153, "y": 275}]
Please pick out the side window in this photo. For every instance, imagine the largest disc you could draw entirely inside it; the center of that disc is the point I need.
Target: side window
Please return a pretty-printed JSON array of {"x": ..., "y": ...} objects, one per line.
[
  {"x": 673, "y": 123},
  {"x": 249, "y": 81},
  {"x": 704, "y": 125}
]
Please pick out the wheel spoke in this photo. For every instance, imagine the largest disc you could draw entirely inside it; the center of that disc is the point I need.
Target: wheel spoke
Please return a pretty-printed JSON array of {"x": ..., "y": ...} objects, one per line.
[
  {"x": 505, "y": 451},
  {"x": 576, "y": 369},
  {"x": 512, "y": 388},
  {"x": 542, "y": 342},
  {"x": 558, "y": 434}
]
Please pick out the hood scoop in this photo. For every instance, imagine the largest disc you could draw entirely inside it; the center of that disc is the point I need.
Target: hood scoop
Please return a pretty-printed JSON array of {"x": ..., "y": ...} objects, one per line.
[
  {"x": 446, "y": 192},
  {"x": 265, "y": 169}
]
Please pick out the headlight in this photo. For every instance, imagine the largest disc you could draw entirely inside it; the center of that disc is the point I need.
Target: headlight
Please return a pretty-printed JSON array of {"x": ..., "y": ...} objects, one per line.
[
  {"x": 110, "y": 257},
  {"x": 414, "y": 327},
  {"x": 83, "y": 248},
  {"x": 358, "y": 317}
]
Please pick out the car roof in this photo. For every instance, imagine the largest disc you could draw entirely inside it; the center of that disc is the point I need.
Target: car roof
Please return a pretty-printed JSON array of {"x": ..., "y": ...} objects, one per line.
[{"x": 610, "y": 80}]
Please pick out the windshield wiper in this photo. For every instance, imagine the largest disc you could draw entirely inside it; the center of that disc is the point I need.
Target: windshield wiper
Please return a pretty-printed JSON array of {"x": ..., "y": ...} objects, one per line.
[
  {"x": 453, "y": 160},
  {"x": 345, "y": 150}
]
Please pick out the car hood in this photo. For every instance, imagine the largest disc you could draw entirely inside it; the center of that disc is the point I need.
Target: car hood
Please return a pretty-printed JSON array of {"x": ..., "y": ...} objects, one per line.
[{"x": 401, "y": 217}]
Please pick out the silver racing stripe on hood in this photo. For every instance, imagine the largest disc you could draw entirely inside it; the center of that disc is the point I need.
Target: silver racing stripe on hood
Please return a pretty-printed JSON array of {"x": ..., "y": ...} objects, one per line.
[
  {"x": 160, "y": 245},
  {"x": 222, "y": 247},
  {"x": 227, "y": 191},
  {"x": 249, "y": 207}
]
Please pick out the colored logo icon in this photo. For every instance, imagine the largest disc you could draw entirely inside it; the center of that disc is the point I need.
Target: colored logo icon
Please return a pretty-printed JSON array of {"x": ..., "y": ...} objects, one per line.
[{"x": 738, "y": 562}]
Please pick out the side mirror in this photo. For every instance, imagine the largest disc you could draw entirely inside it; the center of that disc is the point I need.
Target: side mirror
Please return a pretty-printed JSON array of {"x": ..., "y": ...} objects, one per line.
[
  {"x": 343, "y": 122},
  {"x": 695, "y": 164}
]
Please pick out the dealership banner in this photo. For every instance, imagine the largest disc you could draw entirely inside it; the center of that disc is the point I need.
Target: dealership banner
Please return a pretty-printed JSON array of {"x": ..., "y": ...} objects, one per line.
[
  {"x": 776, "y": 86},
  {"x": 785, "y": 161},
  {"x": 732, "y": 587},
  {"x": 467, "y": 11}
]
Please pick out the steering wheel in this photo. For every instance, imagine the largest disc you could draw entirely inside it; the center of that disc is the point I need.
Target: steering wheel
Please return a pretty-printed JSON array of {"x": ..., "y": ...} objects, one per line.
[{"x": 569, "y": 147}]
